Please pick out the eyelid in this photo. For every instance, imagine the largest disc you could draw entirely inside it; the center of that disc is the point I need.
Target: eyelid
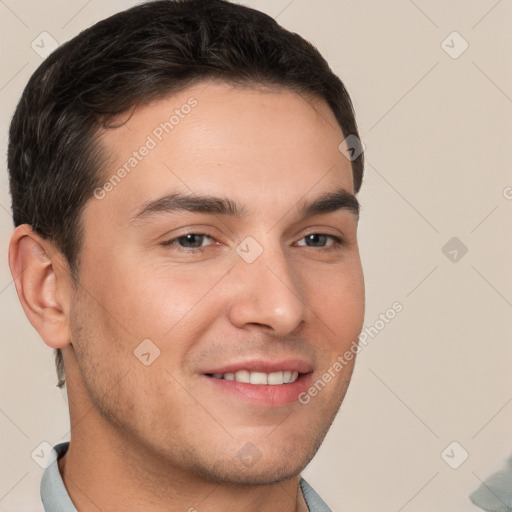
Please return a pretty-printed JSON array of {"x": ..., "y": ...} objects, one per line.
[
  {"x": 325, "y": 231},
  {"x": 320, "y": 233},
  {"x": 170, "y": 241},
  {"x": 338, "y": 241}
]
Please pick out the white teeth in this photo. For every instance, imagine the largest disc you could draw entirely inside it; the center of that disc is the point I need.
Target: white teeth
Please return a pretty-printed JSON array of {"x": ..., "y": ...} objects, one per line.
[
  {"x": 275, "y": 378},
  {"x": 242, "y": 376},
  {"x": 260, "y": 378}
]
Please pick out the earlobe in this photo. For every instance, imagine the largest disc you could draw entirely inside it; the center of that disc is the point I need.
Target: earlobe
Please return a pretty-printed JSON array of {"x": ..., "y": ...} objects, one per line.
[{"x": 42, "y": 285}]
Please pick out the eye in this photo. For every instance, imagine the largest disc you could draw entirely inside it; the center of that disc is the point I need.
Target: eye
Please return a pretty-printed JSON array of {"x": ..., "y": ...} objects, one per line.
[
  {"x": 194, "y": 242},
  {"x": 320, "y": 238},
  {"x": 191, "y": 242}
]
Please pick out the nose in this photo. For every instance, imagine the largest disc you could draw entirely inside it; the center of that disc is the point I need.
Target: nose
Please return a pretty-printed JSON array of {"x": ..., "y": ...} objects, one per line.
[{"x": 268, "y": 293}]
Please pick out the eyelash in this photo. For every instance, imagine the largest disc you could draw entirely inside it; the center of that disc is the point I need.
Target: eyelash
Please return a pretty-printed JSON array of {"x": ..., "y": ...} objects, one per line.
[{"x": 337, "y": 245}]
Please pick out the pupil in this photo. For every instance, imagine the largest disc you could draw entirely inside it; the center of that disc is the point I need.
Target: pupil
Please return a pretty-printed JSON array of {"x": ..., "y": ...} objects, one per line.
[
  {"x": 190, "y": 238},
  {"x": 315, "y": 237}
]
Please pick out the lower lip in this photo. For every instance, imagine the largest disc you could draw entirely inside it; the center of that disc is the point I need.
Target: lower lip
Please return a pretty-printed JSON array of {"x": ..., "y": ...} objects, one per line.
[{"x": 263, "y": 394}]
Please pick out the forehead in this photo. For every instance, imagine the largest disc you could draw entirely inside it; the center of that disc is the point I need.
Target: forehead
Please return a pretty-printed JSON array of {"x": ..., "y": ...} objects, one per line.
[{"x": 214, "y": 138}]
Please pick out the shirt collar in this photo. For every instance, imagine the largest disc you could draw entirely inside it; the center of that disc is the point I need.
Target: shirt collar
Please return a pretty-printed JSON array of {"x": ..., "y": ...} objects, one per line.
[
  {"x": 55, "y": 497},
  {"x": 313, "y": 500}
]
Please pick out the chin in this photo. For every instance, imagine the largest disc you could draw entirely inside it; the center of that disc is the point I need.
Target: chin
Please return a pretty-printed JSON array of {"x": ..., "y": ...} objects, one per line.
[
  {"x": 260, "y": 474},
  {"x": 251, "y": 467}
]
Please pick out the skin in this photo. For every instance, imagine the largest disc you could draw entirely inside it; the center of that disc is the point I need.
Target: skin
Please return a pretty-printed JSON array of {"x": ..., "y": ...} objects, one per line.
[{"x": 160, "y": 435}]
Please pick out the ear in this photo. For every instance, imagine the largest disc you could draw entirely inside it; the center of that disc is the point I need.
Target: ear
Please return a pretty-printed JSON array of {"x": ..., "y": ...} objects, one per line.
[{"x": 43, "y": 283}]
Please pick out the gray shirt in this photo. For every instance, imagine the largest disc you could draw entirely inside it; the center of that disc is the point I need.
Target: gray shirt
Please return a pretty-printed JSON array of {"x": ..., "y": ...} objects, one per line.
[{"x": 55, "y": 497}]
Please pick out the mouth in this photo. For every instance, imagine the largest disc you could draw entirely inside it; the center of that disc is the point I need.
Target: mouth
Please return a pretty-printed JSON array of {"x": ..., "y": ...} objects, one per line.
[
  {"x": 259, "y": 378},
  {"x": 269, "y": 384}
]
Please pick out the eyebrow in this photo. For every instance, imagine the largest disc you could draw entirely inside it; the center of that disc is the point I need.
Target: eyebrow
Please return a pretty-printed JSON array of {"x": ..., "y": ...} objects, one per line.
[{"x": 339, "y": 199}]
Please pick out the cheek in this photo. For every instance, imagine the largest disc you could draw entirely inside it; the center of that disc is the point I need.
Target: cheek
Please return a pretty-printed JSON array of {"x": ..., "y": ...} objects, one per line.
[
  {"x": 172, "y": 307},
  {"x": 147, "y": 301},
  {"x": 158, "y": 300},
  {"x": 337, "y": 299}
]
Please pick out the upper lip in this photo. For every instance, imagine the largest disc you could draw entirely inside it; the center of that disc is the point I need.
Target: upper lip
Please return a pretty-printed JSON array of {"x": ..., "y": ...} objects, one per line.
[{"x": 264, "y": 366}]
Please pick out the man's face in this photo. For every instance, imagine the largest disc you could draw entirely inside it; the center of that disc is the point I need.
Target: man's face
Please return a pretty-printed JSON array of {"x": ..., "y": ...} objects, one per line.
[{"x": 272, "y": 292}]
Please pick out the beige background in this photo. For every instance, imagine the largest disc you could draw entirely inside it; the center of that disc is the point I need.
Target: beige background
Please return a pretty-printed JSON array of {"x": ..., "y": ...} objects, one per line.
[{"x": 438, "y": 133}]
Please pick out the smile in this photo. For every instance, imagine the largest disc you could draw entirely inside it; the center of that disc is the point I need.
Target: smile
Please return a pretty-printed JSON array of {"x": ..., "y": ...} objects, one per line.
[{"x": 259, "y": 378}]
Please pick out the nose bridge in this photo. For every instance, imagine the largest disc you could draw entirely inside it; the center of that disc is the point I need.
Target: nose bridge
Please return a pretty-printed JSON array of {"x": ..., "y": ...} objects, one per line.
[{"x": 269, "y": 292}]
